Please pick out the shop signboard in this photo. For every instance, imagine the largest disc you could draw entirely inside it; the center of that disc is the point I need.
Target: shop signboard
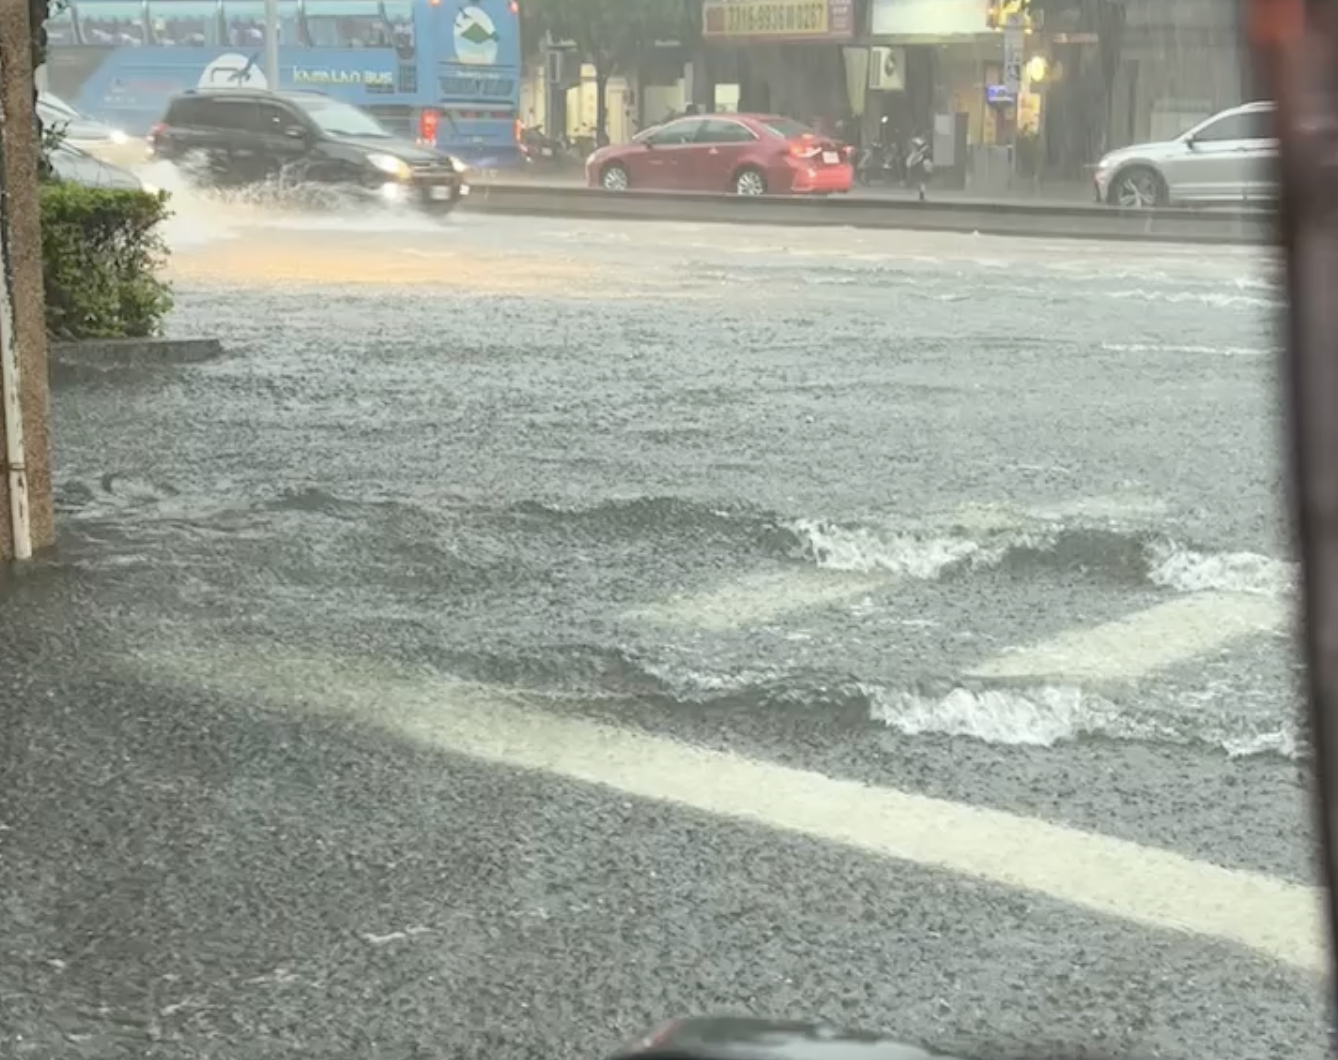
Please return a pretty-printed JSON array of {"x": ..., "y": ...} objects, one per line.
[{"x": 739, "y": 21}]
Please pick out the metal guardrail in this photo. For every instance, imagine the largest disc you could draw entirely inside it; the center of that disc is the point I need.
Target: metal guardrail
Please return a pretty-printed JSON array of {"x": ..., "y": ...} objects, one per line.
[{"x": 1239, "y": 227}]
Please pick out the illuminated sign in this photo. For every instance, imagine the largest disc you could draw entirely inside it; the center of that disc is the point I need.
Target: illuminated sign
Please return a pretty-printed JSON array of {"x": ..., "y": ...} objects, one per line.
[
  {"x": 304, "y": 76},
  {"x": 477, "y": 88},
  {"x": 463, "y": 81},
  {"x": 799, "y": 20}
]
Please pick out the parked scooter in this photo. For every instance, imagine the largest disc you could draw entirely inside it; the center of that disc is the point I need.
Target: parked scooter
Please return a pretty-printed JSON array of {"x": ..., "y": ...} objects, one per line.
[
  {"x": 540, "y": 149},
  {"x": 878, "y": 163}
]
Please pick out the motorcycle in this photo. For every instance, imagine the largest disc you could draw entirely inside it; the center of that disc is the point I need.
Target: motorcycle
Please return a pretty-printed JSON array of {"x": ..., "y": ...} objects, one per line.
[
  {"x": 878, "y": 162},
  {"x": 540, "y": 149}
]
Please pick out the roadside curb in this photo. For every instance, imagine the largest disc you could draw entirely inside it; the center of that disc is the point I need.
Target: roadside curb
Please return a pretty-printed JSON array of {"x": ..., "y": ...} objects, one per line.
[
  {"x": 92, "y": 359},
  {"x": 134, "y": 353},
  {"x": 1224, "y": 227}
]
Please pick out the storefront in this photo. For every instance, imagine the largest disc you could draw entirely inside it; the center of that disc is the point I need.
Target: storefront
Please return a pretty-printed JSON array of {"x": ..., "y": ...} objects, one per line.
[
  {"x": 948, "y": 57},
  {"x": 781, "y": 56}
]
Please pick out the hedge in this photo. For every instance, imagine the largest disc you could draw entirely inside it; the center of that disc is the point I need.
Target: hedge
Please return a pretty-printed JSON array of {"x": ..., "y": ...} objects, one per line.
[{"x": 101, "y": 252}]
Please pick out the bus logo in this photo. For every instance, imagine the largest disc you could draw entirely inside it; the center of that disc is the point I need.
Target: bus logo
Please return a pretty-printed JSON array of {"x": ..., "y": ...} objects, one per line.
[
  {"x": 476, "y": 37},
  {"x": 234, "y": 71}
]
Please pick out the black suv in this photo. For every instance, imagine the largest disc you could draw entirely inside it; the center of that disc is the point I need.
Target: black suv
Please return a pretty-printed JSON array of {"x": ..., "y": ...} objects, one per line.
[{"x": 245, "y": 136}]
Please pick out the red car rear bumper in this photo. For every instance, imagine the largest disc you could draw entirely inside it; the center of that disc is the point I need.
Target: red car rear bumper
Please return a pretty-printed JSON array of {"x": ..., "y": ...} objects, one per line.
[{"x": 822, "y": 180}]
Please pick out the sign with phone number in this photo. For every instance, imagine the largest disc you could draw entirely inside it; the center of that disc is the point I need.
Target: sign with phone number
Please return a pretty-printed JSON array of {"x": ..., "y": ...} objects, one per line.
[{"x": 794, "y": 19}]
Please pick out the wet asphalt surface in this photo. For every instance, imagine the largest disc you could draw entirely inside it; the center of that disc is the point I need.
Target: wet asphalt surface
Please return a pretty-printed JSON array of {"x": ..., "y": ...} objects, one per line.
[{"x": 613, "y": 468}]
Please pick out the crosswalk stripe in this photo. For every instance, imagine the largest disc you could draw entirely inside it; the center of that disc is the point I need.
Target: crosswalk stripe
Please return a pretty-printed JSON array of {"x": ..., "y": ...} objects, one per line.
[
  {"x": 1144, "y": 885},
  {"x": 760, "y": 598},
  {"x": 1153, "y": 639}
]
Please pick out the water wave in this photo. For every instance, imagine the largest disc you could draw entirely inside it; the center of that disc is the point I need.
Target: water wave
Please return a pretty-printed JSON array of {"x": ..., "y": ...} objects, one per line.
[
  {"x": 1008, "y": 715},
  {"x": 1047, "y": 715},
  {"x": 1128, "y": 555},
  {"x": 1041, "y": 716},
  {"x": 312, "y": 535},
  {"x": 929, "y": 550}
]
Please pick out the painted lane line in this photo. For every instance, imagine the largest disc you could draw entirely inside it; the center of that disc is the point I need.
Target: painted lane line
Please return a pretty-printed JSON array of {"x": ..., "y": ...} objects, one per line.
[
  {"x": 1094, "y": 509},
  {"x": 1143, "y": 885},
  {"x": 1185, "y": 628},
  {"x": 758, "y": 599}
]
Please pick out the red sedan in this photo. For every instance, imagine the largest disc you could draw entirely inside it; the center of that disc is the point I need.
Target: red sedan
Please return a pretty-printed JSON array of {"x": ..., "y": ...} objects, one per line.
[{"x": 742, "y": 154}]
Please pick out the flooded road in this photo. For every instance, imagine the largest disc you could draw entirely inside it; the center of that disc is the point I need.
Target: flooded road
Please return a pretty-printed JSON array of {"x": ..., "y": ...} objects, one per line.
[{"x": 476, "y": 655}]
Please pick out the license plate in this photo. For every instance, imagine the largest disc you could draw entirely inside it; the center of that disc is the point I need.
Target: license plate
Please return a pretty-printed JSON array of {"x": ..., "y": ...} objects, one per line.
[
  {"x": 548, "y": 152},
  {"x": 830, "y": 157},
  {"x": 438, "y": 194}
]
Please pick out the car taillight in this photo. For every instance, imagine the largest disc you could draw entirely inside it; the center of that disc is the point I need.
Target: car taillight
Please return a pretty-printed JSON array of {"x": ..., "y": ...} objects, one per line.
[
  {"x": 805, "y": 148},
  {"x": 427, "y": 126},
  {"x": 520, "y": 130},
  {"x": 158, "y": 129}
]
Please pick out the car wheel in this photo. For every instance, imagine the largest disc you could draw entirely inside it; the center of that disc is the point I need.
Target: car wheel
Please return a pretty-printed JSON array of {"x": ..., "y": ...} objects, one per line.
[
  {"x": 614, "y": 178},
  {"x": 750, "y": 181},
  {"x": 1137, "y": 188}
]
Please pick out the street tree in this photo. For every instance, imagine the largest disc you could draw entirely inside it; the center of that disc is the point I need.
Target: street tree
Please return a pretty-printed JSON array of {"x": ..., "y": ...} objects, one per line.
[{"x": 613, "y": 36}]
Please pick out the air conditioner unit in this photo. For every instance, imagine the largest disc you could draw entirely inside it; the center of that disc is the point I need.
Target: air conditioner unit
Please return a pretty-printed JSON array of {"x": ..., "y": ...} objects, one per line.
[{"x": 887, "y": 69}]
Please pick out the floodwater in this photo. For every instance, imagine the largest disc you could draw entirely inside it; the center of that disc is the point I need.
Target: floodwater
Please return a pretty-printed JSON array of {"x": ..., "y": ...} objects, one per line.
[{"x": 992, "y": 521}]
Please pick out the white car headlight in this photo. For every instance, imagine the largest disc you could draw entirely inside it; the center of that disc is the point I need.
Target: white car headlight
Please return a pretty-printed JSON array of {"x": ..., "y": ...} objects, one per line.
[
  {"x": 118, "y": 137},
  {"x": 456, "y": 164},
  {"x": 396, "y": 167}
]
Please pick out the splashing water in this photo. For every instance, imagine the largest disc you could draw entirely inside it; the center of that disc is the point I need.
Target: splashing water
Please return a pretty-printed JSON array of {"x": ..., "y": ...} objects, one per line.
[{"x": 201, "y": 217}]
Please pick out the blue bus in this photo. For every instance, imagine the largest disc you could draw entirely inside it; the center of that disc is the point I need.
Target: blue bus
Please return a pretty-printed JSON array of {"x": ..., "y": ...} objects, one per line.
[{"x": 443, "y": 70}]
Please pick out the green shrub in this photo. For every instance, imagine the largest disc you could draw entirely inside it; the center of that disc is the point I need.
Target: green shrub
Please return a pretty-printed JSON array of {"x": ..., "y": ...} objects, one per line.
[{"x": 101, "y": 254}]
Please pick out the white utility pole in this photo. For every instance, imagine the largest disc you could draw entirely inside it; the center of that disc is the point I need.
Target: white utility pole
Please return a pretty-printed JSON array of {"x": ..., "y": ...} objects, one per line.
[
  {"x": 15, "y": 464},
  {"x": 272, "y": 43}
]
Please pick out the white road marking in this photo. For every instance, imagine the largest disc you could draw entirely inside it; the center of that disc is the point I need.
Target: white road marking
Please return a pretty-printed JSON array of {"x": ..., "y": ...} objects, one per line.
[
  {"x": 1117, "y": 508},
  {"x": 1185, "y": 628},
  {"x": 757, "y": 599},
  {"x": 1144, "y": 885}
]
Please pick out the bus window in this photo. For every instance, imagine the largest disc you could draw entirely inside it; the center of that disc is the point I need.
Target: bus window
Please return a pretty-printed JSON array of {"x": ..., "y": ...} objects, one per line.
[
  {"x": 244, "y": 22},
  {"x": 184, "y": 23},
  {"x": 346, "y": 24},
  {"x": 112, "y": 22},
  {"x": 399, "y": 17},
  {"x": 61, "y": 28}
]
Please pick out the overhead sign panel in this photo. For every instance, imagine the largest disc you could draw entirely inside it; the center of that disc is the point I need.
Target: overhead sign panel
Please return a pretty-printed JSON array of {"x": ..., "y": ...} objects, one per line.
[{"x": 778, "y": 20}]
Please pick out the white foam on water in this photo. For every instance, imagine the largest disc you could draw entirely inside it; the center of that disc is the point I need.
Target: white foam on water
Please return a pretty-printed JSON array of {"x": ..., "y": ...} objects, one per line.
[
  {"x": 981, "y": 536},
  {"x": 1212, "y": 299},
  {"x": 1189, "y": 350},
  {"x": 866, "y": 549},
  {"x": 1036, "y": 717},
  {"x": 1191, "y": 571},
  {"x": 1048, "y": 715}
]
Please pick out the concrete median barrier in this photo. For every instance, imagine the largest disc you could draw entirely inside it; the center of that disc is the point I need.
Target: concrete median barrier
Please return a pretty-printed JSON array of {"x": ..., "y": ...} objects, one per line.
[{"x": 1012, "y": 219}]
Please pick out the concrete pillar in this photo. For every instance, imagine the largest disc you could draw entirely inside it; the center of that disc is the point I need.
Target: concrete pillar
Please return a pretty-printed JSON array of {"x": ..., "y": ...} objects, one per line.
[{"x": 19, "y": 226}]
